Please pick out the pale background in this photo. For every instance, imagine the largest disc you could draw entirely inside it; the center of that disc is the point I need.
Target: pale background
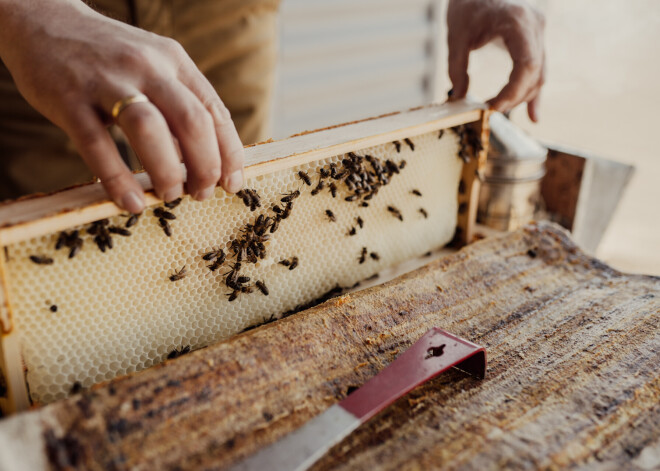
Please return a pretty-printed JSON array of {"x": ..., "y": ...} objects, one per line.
[{"x": 345, "y": 60}]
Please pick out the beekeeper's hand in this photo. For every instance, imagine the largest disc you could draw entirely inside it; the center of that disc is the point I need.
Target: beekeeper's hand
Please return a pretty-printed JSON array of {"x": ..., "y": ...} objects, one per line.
[
  {"x": 75, "y": 65},
  {"x": 474, "y": 23}
]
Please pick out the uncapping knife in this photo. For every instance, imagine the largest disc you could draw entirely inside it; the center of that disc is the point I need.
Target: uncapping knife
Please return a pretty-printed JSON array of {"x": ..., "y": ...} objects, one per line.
[{"x": 435, "y": 352}]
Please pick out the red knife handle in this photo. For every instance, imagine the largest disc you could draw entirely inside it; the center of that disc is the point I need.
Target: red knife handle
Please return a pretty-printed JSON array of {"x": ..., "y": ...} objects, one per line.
[{"x": 435, "y": 352}]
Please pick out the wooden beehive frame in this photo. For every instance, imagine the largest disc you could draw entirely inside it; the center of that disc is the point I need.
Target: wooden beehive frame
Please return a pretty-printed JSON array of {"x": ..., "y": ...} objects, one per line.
[{"x": 35, "y": 216}]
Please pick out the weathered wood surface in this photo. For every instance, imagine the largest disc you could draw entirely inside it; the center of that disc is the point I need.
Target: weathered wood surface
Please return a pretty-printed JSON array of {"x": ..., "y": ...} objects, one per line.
[{"x": 572, "y": 382}]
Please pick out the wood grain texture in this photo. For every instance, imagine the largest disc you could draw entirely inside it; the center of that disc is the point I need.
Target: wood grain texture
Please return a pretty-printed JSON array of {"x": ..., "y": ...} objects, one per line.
[{"x": 572, "y": 381}]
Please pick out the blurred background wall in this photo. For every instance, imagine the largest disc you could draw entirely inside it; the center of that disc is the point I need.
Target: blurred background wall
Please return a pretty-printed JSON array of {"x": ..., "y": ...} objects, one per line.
[{"x": 342, "y": 60}]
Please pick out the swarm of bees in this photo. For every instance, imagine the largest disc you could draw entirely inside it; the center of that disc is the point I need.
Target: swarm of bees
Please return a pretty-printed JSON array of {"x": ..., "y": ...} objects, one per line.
[
  {"x": 469, "y": 140},
  {"x": 358, "y": 178}
]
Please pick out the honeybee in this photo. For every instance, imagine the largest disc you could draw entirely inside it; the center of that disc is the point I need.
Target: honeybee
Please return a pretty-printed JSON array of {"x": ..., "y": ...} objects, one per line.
[
  {"x": 374, "y": 256},
  {"x": 352, "y": 231},
  {"x": 333, "y": 190},
  {"x": 285, "y": 262},
  {"x": 166, "y": 227},
  {"x": 305, "y": 178},
  {"x": 171, "y": 205},
  {"x": 391, "y": 167},
  {"x": 318, "y": 187},
  {"x": 397, "y": 144},
  {"x": 324, "y": 172},
  {"x": 41, "y": 259},
  {"x": 289, "y": 197},
  {"x": 179, "y": 274},
  {"x": 215, "y": 254},
  {"x": 163, "y": 213},
  {"x": 360, "y": 222},
  {"x": 277, "y": 209},
  {"x": 75, "y": 245},
  {"x": 416, "y": 192},
  {"x": 262, "y": 287},
  {"x": 119, "y": 230},
  {"x": 363, "y": 255},
  {"x": 274, "y": 226},
  {"x": 61, "y": 240},
  {"x": 287, "y": 210},
  {"x": 233, "y": 295},
  {"x": 132, "y": 220},
  {"x": 330, "y": 215},
  {"x": 294, "y": 263},
  {"x": 410, "y": 143},
  {"x": 177, "y": 352},
  {"x": 402, "y": 164},
  {"x": 441, "y": 133},
  {"x": 461, "y": 187},
  {"x": 395, "y": 212},
  {"x": 216, "y": 264},
  {"x": 351, "y": 197},
  {"x": 424, "y": 213}
]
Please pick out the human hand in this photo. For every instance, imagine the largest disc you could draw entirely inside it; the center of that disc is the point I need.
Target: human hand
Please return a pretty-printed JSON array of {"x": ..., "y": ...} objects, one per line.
[
  {"x": 73, "y": 64},
  {"x": 474, "y": 23}
]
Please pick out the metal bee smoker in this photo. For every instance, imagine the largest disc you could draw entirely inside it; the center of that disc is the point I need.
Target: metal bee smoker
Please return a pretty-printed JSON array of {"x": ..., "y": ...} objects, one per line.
[{"x": 510, "y": 192}]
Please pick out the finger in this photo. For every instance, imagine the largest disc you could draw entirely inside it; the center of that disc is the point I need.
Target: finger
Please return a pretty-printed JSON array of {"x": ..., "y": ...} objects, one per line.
[
  {"x": 193, "y": 127},
  {"x": 459, "y": 54},
  {"x": 533, "y": 105},
  {"x": 99, "y": 152},
  {"x": 533, "y": 108},
  {"x": 231, "y": 149},
  {"x": 147, "y": 131},
  {"x": 521, "y": 80}
]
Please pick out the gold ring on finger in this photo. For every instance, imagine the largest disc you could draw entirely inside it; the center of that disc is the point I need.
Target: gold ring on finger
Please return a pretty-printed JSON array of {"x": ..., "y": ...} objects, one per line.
[{"x": 120, "y": 105}]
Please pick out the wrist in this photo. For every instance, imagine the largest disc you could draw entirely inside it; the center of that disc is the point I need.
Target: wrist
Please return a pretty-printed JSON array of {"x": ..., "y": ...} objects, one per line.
[{"x": 20, "y": 18}]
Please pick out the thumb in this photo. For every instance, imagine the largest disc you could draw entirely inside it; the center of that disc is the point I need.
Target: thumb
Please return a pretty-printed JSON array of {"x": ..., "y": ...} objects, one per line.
[{"x": 459, "y": 54}]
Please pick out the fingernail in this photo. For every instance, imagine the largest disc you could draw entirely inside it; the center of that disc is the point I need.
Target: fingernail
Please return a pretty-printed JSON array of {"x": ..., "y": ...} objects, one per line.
[
  {"x": 132, "y": 202},
  {"x": 205, "y": 194},
  {"x": 234, "y": 182},
  {"x": 173, "y": 193}
]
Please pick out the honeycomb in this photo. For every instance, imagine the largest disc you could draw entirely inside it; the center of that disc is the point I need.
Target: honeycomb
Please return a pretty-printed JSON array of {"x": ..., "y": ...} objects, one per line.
[{"x": 98, "y": 315}]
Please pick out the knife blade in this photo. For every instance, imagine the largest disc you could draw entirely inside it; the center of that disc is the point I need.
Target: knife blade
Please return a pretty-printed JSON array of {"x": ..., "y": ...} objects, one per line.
[{"x": 435, "y": 352}]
